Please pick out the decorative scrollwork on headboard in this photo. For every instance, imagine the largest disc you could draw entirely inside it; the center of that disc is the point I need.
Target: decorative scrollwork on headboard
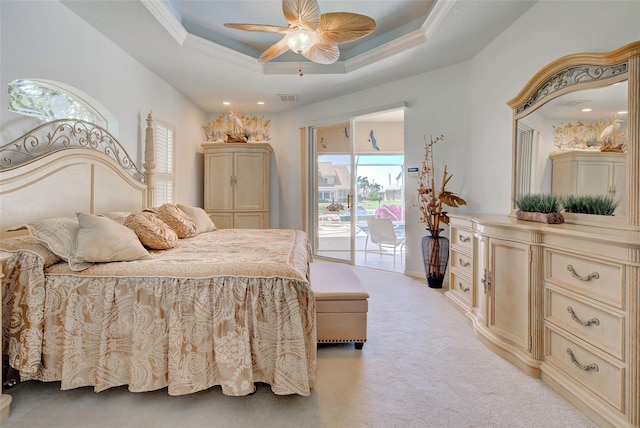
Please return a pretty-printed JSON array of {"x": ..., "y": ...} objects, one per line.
[
  {"x": 572, "y": 76},
  {"x": 66, "y": 134}
]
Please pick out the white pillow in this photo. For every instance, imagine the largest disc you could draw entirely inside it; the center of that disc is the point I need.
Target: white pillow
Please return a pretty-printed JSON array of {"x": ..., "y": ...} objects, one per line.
[
  {"x": 101, "y": 239},
  {"x": 58, "y": 234},
  {"x": 200, "y": 218}
]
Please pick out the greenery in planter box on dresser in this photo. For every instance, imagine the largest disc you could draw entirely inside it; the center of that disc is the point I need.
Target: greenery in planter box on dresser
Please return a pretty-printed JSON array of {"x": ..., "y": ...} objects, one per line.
[
  {"x": 543, "y": 208},
  {"x": 562, "y": 301}
]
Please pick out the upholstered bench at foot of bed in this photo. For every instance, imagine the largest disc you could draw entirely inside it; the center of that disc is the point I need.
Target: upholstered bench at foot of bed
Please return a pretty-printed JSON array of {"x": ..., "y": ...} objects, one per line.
[{"x": 341, "y": 304}]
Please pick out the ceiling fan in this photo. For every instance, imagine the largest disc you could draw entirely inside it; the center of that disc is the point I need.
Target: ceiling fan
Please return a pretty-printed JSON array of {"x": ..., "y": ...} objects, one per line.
[{"x": 315, "y": 36}]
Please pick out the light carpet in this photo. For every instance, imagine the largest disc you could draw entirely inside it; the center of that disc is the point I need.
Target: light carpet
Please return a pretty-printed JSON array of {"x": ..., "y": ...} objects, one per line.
[{"x": 422, "y": 366}]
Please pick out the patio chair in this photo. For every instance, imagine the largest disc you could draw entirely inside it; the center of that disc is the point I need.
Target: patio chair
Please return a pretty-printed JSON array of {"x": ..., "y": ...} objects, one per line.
[{"x": 382, "y": 233}]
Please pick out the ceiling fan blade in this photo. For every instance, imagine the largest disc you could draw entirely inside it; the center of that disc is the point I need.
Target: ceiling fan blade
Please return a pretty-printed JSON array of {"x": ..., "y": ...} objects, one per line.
[
  {"x": 342, "y": 27},
  {"x": 259, "y": 28},
  {"x": 274, "y": 51},
  {"x": 305, "y": 12},
  {"x": 323, "y": 53}
]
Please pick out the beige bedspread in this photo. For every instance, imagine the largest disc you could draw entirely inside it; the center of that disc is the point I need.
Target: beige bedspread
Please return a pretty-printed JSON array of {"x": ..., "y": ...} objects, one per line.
[{"x": 229, "y": 308}]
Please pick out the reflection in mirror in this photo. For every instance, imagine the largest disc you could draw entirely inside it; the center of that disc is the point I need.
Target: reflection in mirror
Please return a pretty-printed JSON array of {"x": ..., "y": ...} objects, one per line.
[
  {"x": 524, "y": 159},
  {"x": 575, "y": 144}
]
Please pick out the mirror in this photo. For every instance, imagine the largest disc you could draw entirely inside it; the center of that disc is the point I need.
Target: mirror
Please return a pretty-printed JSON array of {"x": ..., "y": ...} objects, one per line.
[{"x": 575, "y": 132}]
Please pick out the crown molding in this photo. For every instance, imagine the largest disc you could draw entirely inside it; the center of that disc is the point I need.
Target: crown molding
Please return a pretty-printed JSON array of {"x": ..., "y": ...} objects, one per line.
[
  {"x": 223, "y": 53},
  {"x": 400, "y": 44},
  {"x": 307, "y": 67},
  {"x": 174, "y": 27},
  {"x": 167, "y": 19},
  {"x": 435, "y": 16}
]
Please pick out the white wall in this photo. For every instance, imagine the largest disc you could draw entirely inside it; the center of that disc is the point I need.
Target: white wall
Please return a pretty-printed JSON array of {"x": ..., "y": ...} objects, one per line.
[
  {"x": 45, "y": 40},
  {"x": 430, "y": 98},
  {"x": 549, "y": 30}
]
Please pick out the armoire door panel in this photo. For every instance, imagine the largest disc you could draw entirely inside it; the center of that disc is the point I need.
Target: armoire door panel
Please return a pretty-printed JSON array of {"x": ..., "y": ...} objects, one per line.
[
  {"x": 249, "y": 176},
  {"x": 218, "y": 182}
]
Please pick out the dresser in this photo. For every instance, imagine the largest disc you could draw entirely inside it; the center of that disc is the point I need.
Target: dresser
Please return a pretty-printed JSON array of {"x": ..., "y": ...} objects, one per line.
[
  {"x": 236, "y": 184},
  {"x": 5, "y": 399},
  {"x": 562, "y": 302}
]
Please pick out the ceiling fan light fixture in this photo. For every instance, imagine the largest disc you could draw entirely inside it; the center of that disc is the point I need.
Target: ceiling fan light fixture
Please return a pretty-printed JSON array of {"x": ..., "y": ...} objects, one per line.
[
  {"x": 301, "y": 40},
  {"x": 314, "y": 35}
]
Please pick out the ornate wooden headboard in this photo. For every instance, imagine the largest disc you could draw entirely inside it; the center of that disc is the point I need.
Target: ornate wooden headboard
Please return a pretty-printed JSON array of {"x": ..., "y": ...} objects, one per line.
[{"x": 66, "y": 166}]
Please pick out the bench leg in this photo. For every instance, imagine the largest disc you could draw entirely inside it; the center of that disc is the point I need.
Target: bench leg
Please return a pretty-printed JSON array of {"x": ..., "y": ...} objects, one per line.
[{"x": 358, "y": 345}]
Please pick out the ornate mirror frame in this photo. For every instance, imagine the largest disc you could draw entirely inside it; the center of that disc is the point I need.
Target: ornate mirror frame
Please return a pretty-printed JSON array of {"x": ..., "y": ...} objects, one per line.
[{"x": 586, "y": 71}]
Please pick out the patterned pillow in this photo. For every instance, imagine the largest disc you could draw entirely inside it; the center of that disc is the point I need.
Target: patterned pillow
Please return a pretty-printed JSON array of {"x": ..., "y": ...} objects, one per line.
[
  {"x": 151, "y": 231},
  {"x": 101, "y": 239},
  {"x": 30, "y": 244},
  {"x": 177, "y": 220},
  {"x": 200, "y": 218},
  {"x": 58, "y": 235}
]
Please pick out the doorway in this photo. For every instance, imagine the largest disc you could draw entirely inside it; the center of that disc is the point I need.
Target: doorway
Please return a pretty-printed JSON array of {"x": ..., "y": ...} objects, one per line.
[{"x": 357, "y": 174}]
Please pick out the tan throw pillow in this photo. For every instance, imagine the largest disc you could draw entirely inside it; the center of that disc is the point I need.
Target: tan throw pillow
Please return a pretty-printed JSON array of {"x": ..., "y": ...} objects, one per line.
[
  {"x": 200, "y": 218},
  {"x": 177, "y": 220},
  {"x": 151, "y": 231},
  {"x": 101, "y": 239},
  {"x": 58, "y": 234}
]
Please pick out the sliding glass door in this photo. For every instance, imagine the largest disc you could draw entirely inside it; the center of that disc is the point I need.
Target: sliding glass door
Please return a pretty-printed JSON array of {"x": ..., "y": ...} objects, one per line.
[
  {"x": 332, "y": 200},
  {"x": 356, "y": 174}
]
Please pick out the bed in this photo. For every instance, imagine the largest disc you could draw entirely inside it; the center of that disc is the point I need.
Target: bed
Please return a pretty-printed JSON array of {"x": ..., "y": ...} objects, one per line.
[{"x": 222, "y": 307}]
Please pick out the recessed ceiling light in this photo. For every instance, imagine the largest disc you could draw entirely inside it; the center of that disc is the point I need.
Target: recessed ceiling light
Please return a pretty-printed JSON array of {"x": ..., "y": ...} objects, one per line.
[
  {"x": 261, "y": 103},
  {"x": 622, "y": 112},
  {"x": 226, "y": 103},
  {"x": 586, "y": 109}
]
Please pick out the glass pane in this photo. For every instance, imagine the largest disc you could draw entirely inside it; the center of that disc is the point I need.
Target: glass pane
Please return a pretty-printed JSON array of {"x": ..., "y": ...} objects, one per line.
[
  {"x": 334, "y": 218},
  {"x": 47, "y": 102}
]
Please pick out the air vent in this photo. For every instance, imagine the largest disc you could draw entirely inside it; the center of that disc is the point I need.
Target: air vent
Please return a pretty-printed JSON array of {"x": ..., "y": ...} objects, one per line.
[{"x": 287, "y": 97}]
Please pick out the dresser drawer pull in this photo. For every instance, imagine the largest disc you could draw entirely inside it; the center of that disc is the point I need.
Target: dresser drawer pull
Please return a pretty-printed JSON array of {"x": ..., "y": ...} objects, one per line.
[
  {"x": 486, "y": 282},
  {"x": 463, "y": 238},
  {"x": 462, "y": 287},
  {"x": 594, "y": 275},
  {"x": 592, "y": 366},
  {"x": 463, "y": 263},
  {"x": 594, "y": 321}
]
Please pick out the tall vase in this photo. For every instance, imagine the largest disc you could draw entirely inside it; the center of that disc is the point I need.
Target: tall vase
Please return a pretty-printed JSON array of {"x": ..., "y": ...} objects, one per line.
[{"x": 435, "y": 256}]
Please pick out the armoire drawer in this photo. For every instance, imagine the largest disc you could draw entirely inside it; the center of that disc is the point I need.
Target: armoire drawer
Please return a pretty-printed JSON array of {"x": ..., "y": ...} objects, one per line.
[
  {"x": 603, "y": 377},
  {"x": 602, "y": 328},
  {"x": 461, "y": 262},
  {"x": 600, "y": 281},
  {"x": 461, "y": 285}
]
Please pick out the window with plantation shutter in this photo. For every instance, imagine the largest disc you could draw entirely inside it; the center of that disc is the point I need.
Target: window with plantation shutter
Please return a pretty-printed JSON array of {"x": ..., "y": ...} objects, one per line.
[{"x": 165, "y": 176}]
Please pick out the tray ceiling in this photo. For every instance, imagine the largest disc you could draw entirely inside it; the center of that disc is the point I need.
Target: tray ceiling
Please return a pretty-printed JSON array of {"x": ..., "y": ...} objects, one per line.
[{"x": 184, "y": 42}]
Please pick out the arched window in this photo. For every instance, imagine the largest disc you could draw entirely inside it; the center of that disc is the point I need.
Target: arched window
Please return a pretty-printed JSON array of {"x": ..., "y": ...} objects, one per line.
[{"x": 48, "y": 100}]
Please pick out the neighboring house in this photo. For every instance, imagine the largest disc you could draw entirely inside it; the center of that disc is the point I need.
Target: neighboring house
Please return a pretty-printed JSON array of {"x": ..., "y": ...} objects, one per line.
[{"x": 333, "y": 182}]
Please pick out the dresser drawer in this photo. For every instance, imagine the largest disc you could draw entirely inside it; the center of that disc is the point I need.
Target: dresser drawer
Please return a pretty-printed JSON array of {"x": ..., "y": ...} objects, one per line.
[
  {"x": 461, "y": 285},
  {"x": 461, "y": 238},
  {"x": 602, "y": 377},
  {"x": 600, "y": 327},
  {"x": 461, "y": 262},
  {"x": 594, "y": 279}
]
